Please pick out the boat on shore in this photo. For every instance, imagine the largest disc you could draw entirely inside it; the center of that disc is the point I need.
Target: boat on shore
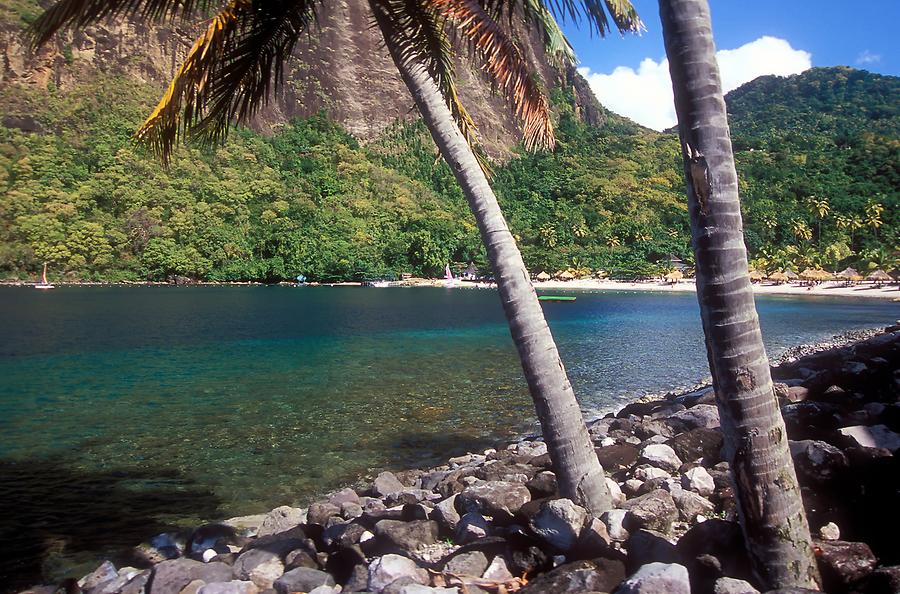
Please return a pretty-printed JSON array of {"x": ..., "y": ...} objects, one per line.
[{"x": 44, "y": 285}]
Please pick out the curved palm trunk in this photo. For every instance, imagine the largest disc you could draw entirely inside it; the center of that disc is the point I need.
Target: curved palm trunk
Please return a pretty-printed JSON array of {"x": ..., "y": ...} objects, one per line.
[
  {"x": 578, "y": 470},
  {"x": 756, "y": 447}
]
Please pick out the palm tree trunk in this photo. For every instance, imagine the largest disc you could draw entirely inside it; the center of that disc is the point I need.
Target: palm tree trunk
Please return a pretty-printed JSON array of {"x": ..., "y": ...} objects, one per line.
[
  {"x": 579, "y": 474},
  {"x": 756, "y": 447}
]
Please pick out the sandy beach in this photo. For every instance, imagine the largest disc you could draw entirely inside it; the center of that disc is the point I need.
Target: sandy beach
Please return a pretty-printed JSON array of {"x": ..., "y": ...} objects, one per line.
[{"x": 827, "y": 289}]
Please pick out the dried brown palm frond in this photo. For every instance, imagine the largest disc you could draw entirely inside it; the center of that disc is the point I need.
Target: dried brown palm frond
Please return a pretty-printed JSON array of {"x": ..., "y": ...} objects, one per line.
[
  {"x": 504, "y": 64},
  {"x": 79, "y": 13},
  {"x": 228, "y": 73},
  {"x": 623, "y": 14},
  {"x": 417, "y": 35}
]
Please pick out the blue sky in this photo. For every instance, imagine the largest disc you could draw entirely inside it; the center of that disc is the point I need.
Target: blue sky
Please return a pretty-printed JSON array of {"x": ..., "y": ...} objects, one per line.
[{"x": 763, "y": 37}]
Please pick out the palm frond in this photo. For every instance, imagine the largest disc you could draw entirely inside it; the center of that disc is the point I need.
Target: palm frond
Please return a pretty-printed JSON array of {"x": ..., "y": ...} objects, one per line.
[
  {"x": 504, "y": 64},
  {"x": 624, "y": 16},
  {"x": 556, "y": 45},
  {"x": 80, "y": 13},
  {"x": 228, "y": 73},
  {"x": 417, "y": 36}
]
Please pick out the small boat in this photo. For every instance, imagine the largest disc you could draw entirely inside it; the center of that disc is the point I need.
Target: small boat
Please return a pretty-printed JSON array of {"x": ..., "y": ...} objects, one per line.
[
  {"x": 449, "y": 281},
  {"x": 556, "y": 298},
  {"x": 44, "y": 284}
]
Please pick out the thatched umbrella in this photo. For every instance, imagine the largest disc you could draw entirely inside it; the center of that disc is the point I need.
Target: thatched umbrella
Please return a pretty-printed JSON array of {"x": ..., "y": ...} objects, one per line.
[
  {"x": 674, "y": 276},
  {"x": 791, "y": 275},
  {"x": 848, "y": 274},
  {"x": 778, "y": 277},
  {"x": 808, "y": 274},
  {"x": 756, "y": 275},
  {"x": 879, "y": 276},
  {"x": 543, "y": 276},
  {"x": 823, "y": 275},
  {"x": 565, "y": 275}
]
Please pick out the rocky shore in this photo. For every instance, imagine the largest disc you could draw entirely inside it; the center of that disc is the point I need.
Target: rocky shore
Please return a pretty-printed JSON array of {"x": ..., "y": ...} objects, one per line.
[{"x": 493, "y": 522}]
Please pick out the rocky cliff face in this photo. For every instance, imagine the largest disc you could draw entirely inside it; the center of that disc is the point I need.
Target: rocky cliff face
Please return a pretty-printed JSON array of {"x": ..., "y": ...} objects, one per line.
[{"x": 342, "y": 68}]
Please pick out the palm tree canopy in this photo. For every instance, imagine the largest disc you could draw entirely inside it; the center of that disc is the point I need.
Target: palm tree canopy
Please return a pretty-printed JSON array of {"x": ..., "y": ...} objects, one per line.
[{"x": 238, "y": 60}]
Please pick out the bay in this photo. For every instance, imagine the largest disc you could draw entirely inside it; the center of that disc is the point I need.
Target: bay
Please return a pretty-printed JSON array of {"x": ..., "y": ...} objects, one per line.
[{"x": 126, "y": 410}]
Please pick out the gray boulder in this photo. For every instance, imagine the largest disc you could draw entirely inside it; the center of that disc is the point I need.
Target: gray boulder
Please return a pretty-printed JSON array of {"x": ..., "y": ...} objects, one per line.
[
  {"x": 727, "y": 585},
  {"x": 661, "y": 456},
  {"x": 701, "y": 415},
  {"x": 473, "y": 563},
  {"x": 383, "y": 571},
  {"x": 690, "y": 505},
  {"x": 169, "y": 577},
  {"x": 104, "y": 573},
  {"x": 658, "y": 578},
  {"x": 615, "y": 524},
  {"x": 302, "y": 579},
  {"x": 699, "y": 481},
  {"x": 385, "y": 484},
  {"x": 498, "y": 499},
  {"x": 446, "y": 515},
  {"x": 281, "y": 519},
  {"x": 559, "y": 523},
  {"x": 229, "y": 588},
  {"x": 407, "y": 536},
  {"x": 876, "y": 436},
  {"x": 472, "y": 526},
  {"x": 655, "y": 511},
  {"x": 817, "y": 460}
]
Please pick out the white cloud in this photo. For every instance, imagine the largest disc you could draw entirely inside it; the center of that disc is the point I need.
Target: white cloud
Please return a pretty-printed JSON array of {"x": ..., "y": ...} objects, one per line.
[
  {"x": 867, "y": 57},
  {"x": 645, "y": 94}
]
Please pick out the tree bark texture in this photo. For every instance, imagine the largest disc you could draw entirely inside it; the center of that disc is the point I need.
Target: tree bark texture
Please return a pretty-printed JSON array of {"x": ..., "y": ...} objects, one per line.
[
  {"x": 769, "y": 503},
  {"x": 579, "y": 474}
]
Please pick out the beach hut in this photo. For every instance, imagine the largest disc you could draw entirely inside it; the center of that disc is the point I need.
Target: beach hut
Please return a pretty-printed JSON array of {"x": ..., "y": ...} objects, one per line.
[
  {"x": 565, "y": 275},
  {"x": 543, "y": 277},
  {"x": 778, "y": 277},
  {"x": 879, "y": 276},
  {"x": 674, "y": 276}
]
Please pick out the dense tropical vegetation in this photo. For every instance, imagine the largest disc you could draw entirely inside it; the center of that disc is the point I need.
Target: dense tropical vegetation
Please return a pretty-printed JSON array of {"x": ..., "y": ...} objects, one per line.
[{"x": 817, "y": 155}]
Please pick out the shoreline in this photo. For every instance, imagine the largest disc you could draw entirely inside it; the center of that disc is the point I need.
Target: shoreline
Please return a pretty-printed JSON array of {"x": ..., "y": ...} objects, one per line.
[
  {"x": 839, "y": 289},
  {"x": 156, "y": 550},
  {"x": 681, "y": 494}
]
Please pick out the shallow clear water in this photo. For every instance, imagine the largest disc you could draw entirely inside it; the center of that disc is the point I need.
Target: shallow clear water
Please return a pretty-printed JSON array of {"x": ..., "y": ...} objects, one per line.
[{"x": 126, "y": 409}]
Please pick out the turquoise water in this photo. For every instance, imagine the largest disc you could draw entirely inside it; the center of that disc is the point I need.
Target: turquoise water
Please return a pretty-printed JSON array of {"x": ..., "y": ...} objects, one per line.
[{"x": 127, "y": 409}]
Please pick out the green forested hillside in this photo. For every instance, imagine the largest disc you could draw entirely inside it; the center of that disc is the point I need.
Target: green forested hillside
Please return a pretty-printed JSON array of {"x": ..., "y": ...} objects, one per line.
[{"x": 817, "y": 156}]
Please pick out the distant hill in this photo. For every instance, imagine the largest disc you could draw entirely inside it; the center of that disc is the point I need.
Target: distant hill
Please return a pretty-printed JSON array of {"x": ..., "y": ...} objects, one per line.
[
  {"x": 309, "y": 196},
  {"x": 838, "y": 102}
]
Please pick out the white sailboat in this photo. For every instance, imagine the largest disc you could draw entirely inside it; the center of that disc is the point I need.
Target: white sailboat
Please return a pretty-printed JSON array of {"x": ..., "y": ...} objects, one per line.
[
  {"x": 44, "y": 284},
  {"x": 449, "y": 281}
]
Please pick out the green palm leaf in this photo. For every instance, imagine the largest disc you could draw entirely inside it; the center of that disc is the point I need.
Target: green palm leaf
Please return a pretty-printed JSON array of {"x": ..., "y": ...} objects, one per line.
[
  {"x": 79, "y": 13},
  {"x": 228, "y": 74}
]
